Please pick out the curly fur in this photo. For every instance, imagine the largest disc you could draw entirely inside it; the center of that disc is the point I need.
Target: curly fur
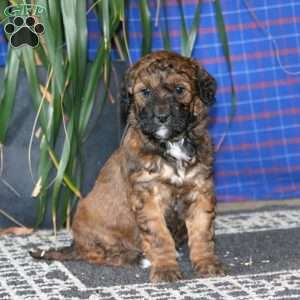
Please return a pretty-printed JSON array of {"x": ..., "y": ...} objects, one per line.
[{"x": 156, "y": 191}]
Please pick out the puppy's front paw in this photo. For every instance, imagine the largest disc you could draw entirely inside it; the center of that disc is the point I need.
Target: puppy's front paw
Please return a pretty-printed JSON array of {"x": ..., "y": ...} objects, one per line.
[
  {"x": 209, "y": 267},
  {"x": 165, "y": 274}
]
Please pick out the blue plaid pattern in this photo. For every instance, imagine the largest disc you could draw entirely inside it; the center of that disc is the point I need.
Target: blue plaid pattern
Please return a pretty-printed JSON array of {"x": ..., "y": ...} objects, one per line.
[{"x": 260, "y": 156}]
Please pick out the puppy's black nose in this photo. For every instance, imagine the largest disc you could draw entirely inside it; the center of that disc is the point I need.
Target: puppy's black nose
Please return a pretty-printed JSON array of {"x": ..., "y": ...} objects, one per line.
[{"x": 162, "y": 117}]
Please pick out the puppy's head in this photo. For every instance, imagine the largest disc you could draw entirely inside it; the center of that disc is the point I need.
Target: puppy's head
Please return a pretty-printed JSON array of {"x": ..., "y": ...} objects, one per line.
[{"x": 166, "y": 93}]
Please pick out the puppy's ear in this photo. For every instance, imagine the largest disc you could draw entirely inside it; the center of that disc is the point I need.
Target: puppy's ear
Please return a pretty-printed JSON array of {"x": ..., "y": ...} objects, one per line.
[
  {"x": 125, "y": 96},
  {"x": 207, "y": 86}
]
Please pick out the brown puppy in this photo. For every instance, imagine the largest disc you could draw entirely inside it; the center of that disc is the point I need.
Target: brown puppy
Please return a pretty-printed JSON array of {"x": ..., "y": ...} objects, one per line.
[{"x": 156, "y": 189}]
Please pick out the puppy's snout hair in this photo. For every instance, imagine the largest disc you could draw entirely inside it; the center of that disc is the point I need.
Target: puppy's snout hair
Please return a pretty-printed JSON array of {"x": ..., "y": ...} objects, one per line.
[{"x": 162, "y": 110}]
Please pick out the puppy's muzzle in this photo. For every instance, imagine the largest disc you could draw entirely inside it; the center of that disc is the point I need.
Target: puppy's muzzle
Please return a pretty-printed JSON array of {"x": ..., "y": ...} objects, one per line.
[
  {"x": 162, "y": 113},
  {"x": 162, "y": 118}
]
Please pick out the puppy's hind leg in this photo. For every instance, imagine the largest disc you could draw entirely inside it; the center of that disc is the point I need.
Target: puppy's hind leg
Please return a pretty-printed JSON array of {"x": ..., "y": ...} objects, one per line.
[{"x": 65, "y": 253}]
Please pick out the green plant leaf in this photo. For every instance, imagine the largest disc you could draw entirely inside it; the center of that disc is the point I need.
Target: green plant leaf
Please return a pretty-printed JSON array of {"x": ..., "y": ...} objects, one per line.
[
  {"x": 106, "y": 23},
  {"x": 164, "y": 29},
  {"x": 194, "y": 30},
  {"x": 63, "y": 163},
  {"x": 31, "y": 72},
  {"x": 90, "y": 90},
  {"x": 224, "y": 40},
  {"x": 184, "y": 32},
  {"x": 146, "y": 26},
  {"x": 68, "y": 9},
  {"x": 82, "y": 34},
  {"x": 120, "y": 7},
  {"x": 101, "y": 65},
  {"x": 43, "y": 173},
  {"x": 222, "y": 31},
  {"x": 53, "y": 41},
  {"x": 69, "y": 183},
  {"x": 65, "y": 208},
  {"x": 9, "y": 90},
  {"x": 188, "y": 38}
]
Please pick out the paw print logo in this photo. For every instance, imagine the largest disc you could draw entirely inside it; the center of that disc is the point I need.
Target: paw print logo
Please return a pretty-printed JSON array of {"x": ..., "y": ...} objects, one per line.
[{"x": 24, "y": 31}]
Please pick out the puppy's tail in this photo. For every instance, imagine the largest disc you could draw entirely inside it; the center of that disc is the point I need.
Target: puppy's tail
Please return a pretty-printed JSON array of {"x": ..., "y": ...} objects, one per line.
[{"x": 65, "y": 253}]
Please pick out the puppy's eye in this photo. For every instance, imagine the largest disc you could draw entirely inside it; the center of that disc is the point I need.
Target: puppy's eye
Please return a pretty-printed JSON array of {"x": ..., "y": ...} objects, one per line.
[
  {"x": 179, "y": 89},
  {"x": 146, "y": 92}
]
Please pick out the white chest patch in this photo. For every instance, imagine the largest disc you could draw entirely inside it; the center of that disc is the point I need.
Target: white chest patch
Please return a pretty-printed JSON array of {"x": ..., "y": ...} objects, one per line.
[
  {"x": 162, "y": 132},
  {"x": 177, "y": 150}
]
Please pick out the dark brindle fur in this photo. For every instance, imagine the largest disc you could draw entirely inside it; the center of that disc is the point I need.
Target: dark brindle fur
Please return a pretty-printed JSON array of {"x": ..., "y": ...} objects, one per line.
[{"x": 156, "y": 189}]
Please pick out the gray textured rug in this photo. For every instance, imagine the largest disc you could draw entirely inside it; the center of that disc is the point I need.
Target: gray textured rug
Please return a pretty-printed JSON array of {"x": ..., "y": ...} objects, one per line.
[{"x": 261, "y": 251}]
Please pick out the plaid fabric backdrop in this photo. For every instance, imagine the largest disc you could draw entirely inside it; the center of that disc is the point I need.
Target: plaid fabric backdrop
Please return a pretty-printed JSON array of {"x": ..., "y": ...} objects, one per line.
[{"x": 260, "y": 156}]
